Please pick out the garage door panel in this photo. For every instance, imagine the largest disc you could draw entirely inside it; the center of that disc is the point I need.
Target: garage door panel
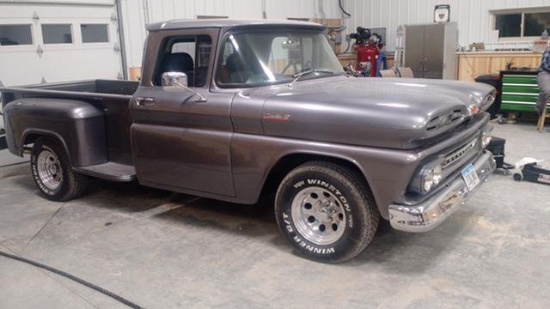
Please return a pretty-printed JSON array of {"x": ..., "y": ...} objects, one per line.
[
  {"x": 20, "y": 68},
  {"x": 69, "y": 42},
  {"x": 86, "y": 64},
  {"x": 25, "y": 11}
]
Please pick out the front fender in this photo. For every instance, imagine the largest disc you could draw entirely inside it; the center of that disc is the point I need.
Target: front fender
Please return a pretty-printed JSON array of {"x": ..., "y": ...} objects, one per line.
[{"x": 386, "y": 172}]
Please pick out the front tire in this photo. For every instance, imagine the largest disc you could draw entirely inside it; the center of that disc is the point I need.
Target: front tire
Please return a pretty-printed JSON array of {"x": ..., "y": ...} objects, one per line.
[
  {"x": 326, "y": 212},
  {"x": 52, "y": 171}
]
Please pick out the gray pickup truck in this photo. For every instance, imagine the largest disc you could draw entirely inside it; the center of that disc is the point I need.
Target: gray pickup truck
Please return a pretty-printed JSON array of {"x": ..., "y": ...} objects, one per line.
[{"x": 233, "y": 110}]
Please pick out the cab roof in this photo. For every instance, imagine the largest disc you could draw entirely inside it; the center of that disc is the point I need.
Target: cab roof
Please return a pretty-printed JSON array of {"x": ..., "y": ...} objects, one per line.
[{"x": 226, "y": 23}]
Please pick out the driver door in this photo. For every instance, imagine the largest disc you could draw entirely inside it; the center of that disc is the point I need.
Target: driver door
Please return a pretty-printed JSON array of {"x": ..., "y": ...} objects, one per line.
[{"x": 181, "y": 142}]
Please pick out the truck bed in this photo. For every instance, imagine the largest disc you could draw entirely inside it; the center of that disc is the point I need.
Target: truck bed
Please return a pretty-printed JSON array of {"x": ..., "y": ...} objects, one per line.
[
  {"x": 102, "y": 87},
  {"x": 110, "y": 96}
]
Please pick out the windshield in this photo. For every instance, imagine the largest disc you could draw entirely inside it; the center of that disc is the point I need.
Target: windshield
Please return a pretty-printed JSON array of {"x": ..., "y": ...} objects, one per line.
[{"x": 272, "y": 57}]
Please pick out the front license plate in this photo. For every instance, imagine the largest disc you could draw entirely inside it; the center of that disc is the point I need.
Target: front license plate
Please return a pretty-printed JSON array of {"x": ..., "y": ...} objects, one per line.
[{"x": 470, "y": 177}]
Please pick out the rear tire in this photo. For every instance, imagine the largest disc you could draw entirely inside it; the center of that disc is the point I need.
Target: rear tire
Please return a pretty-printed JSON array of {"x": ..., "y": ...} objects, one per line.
[
  {"x": 326, "y": 212},
  {"x": 52, "y": 172}
]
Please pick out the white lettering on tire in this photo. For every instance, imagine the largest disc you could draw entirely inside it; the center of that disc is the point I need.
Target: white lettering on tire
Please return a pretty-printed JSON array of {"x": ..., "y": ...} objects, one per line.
[
  {"x": 41, "y": 186},
  {"x": 331, "y": 188}
]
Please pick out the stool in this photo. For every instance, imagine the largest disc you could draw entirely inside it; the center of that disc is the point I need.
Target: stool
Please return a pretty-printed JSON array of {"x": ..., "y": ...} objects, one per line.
[{"x": 542, "y": 118}]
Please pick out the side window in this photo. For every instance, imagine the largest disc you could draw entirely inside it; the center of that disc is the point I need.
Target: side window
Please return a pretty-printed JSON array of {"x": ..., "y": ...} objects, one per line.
[
  {"x": 223, "y": 72},
  {"x": 189, "y": 55},
  {"x": 244, "y": 60},
  {"x": 508, "y": 25},
  {"x": 94, "y": 33},
  {"x": 15, "y": 35},
  {"x": 57, "y": 33},
  {"x": 522, "y": 24}
]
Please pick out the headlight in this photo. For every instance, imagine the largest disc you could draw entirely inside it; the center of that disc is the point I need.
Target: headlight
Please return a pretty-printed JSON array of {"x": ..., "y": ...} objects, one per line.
[
  {"x": 486, "y": 136},
  {"x": 427, "y": 181},
  {"x": 475, "y": 103},
  {"x": 490, "y": 99},
  {"x": 473, "y": 109},
  {"x": 437, "y": 175},
  {"x": 428, "y": 178},
  {"x": 478, "y": 102}
]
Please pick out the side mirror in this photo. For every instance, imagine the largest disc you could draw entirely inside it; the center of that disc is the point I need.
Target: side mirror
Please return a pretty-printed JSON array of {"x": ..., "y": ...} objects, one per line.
[
  {"x": 175, "y": 79},
  {"x": 179, "y": 81}
]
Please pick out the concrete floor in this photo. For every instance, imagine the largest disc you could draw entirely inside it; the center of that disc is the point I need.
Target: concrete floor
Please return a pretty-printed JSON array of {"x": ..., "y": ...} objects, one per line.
[{"x": 165, "y": 250}]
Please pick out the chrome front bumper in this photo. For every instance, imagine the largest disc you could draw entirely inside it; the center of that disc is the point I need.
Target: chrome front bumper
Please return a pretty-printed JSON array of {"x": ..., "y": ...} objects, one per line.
[{"x": 430, "y": 213}]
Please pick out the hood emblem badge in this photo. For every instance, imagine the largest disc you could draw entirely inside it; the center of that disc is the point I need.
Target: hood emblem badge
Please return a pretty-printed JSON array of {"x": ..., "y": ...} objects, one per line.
[{"x": 276, "y": 117}]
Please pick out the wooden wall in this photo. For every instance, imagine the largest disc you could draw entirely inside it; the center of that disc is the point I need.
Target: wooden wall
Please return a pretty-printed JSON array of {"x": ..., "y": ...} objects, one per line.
[{"x": 472, "y": 65}]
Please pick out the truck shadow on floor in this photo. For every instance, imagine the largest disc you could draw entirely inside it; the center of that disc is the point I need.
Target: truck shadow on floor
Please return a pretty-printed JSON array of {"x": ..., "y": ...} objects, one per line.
[
  {"x": 258, "y": 221},
  {"x": 397, "y": 250},
  {"x": 249, "y": 220}
]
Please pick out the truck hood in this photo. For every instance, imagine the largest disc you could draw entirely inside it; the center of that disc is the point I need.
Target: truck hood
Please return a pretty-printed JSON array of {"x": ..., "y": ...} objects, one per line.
[{"x": 381, "y": 112}]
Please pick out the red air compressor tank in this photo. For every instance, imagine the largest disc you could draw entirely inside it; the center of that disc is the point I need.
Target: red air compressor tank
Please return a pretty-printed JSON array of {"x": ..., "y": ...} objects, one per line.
[{"x": 367, "y": 54}]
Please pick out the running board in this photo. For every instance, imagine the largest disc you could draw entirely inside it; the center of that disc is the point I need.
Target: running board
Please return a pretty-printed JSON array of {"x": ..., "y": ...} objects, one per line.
[{"x": 109, "y": 171}]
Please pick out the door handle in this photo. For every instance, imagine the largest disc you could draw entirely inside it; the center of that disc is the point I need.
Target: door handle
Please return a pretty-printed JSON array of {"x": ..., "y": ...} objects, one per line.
[{"x": 145, "y": 101}]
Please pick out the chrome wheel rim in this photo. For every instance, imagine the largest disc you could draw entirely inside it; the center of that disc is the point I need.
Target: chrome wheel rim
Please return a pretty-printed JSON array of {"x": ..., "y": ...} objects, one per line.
[
  {"x": 49, "y": 169},
  {"x": 318, "y": 215}
]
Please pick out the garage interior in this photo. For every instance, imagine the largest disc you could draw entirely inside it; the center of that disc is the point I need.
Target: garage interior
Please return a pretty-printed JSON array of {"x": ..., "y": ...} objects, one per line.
[{"x": 158, "y": 249}]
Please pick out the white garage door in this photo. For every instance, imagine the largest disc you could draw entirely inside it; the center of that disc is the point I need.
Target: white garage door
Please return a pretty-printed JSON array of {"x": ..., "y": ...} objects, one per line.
[{"x": 61, "y": 41}]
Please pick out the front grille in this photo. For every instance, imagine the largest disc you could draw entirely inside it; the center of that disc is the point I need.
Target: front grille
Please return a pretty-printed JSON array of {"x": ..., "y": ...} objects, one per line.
[{"x": 459, "y": 153}]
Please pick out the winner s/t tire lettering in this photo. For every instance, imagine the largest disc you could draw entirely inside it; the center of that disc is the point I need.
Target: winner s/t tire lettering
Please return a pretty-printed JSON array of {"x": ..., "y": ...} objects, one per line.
[
  {"x": 326, "y": 212},
  {"x": 52, "y": 173}
]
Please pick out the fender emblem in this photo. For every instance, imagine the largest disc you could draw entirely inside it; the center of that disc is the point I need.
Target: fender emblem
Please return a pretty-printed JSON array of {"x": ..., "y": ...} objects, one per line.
[{"x": 276, "y": 117}]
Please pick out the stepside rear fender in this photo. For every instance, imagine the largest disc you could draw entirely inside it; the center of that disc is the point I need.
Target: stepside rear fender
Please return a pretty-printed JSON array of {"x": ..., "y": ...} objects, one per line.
[{"x": 78, "y": 125}]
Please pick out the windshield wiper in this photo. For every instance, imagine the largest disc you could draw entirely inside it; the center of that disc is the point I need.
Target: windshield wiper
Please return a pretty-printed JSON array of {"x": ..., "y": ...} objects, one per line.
[{"x": 298, "y": 75}]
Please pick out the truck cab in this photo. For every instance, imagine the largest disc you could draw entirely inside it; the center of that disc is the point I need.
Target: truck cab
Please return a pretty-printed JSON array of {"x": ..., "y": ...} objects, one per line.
[{"x": 220, "y": 63}]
